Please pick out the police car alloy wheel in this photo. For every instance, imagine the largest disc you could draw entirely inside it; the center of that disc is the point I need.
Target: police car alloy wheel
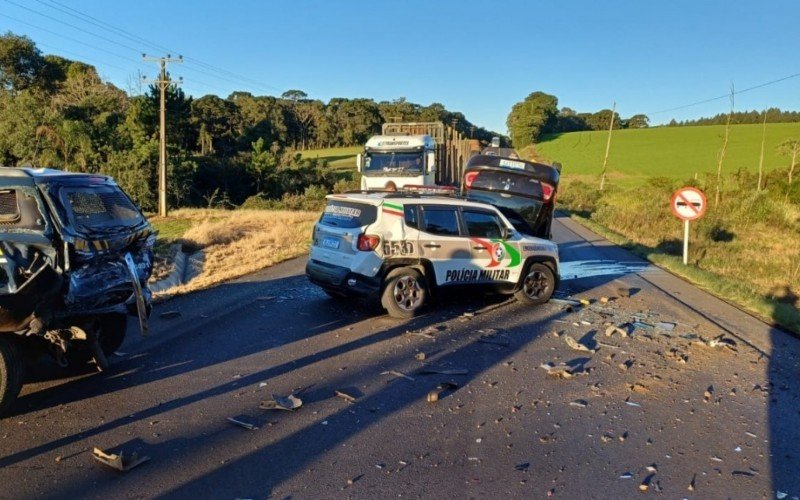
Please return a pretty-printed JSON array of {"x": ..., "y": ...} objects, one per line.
[
  {"x": 404, "y": 294},
  {"x": 537, "y": 285}
]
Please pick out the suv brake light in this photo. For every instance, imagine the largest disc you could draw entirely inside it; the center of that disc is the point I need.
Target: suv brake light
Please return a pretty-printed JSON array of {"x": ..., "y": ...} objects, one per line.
[
  {"x": 547, "y": 191},
  {"x": 368, "y": 242},
  {"x": 470, "y": 178}
]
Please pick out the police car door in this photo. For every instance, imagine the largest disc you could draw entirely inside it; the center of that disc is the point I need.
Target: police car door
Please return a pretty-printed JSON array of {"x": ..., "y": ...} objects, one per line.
[
  {"x": 497, "y": 259},
  {"x": 442, "y": 243}
]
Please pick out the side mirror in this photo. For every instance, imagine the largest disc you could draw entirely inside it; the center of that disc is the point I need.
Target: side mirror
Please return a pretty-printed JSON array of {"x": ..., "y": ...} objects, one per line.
[
  {"x": 360, "y": 162},
  {"x": 505, "y": 233},
  {"x": 557, "y": 165},
  {"x": 431, "y": 162}
]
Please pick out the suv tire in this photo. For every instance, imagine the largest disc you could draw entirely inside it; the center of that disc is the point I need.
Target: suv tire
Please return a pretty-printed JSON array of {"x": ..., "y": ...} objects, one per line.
[
  {"x": 538, "y": 284},
  {"x": 11, "y": 373},
  {"x": 404, "y": 293}
]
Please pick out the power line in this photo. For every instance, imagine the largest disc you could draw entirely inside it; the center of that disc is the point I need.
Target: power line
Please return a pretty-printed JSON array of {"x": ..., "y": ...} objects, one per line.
[
  {"x": 95, "y": 47},
  {"x": 74, "y": 27},
  {"x": 726, "y": 95},
  {"x": 133, "y": 37},
  {"x": 119, "y": 56}
]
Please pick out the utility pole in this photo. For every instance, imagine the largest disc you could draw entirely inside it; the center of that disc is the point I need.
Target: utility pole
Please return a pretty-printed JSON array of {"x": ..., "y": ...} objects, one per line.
[
  {"x": 163, "y": 82},
  {"x": 608, "y": 146}
]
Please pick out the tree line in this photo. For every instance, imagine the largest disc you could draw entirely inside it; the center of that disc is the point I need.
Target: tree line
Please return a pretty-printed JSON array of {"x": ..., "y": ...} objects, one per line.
[
  {"x": 773, "y": 115},
  {"x": 59, "y": 113},
  {"x": 538, "y": 115}
]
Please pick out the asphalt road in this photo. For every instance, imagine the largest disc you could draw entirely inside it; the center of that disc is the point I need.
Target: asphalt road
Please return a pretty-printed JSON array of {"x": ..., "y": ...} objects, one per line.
[{"x": 657, "y": 411}]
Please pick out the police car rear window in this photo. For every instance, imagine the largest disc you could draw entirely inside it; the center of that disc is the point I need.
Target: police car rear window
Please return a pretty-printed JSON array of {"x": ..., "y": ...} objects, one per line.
[
  {"x": 348, "y": 214},
  {"x": 508, "y": 182}
]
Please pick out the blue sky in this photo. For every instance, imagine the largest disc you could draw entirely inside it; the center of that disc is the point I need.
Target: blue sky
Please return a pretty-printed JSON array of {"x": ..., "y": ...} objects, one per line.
[{"x": 475, "y": 57}]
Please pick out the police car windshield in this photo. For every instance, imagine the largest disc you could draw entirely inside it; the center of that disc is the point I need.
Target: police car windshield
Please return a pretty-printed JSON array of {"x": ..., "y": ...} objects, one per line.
[
  {"x": 348, "y": 214},
  {"x": 393, "y": 162}
]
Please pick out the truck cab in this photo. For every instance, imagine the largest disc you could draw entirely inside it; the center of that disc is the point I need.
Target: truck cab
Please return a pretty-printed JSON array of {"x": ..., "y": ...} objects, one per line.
[{"x": 392, "y": 162}]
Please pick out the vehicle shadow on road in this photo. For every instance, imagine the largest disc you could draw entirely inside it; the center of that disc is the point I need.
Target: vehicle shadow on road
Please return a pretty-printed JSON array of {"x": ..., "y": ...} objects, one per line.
[
  {"x": 782, "y": 395},
  {"x": 292, "y": 453},
  {"x": 184, "y": 350}
]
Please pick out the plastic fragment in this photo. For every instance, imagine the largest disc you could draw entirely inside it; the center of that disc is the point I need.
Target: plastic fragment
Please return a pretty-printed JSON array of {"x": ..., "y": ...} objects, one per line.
[
  {"x": 397, "y": 374},
  {"x": 575, "y": 345},
  {"x": 290, "y": 403},
  {"x": 242, "y": 424},
  {"x": 345, "y": 396},
  {"x": 119, "y": 462}
]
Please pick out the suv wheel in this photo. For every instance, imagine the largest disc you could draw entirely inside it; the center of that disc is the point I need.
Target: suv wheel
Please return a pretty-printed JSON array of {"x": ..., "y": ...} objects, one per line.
[
  {"x": 11, "y": 372},
  {"x": 538, "y": 284},
  {"x": 404, "y": 293}
]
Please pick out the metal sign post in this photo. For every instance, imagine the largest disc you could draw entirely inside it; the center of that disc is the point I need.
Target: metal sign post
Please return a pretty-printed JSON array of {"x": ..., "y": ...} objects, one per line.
[{"x": 688, "y": 204}]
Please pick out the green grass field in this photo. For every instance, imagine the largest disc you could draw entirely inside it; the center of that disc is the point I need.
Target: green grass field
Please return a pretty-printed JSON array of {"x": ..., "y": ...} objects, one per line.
[
  {"x": 338, "y": 158},
  {"x": 675, "y": 152}
]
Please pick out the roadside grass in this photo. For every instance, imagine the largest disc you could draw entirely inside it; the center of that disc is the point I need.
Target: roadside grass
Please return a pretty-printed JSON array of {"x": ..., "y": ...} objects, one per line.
[
  {"x": 746, "y": 251},
  {"x": 676, "y": 152},
  {"x": 236, "y": 242},
  {"x": 338, "y": 158}
]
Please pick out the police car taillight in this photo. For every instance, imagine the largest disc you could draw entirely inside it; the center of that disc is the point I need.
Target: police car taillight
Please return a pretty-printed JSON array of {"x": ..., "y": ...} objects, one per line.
[
  {"x": 547, "y": 191},
  {"x": 470, "y": 178},
  {"x": 368, "y": 242}
]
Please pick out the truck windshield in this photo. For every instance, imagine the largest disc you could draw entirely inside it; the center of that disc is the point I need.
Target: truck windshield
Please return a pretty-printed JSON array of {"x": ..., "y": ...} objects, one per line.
[
  {"x": 394, "y": 163},
  {"x": 98, "y": 208}
]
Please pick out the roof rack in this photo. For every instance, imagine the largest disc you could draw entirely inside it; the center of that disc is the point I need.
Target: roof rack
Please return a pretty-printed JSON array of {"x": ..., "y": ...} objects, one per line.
[{"x": 413, "y": 191}]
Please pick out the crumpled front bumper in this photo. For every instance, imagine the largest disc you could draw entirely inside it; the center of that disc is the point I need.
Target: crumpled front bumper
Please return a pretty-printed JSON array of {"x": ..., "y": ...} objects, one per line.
[{"x": 106, "y": 286}]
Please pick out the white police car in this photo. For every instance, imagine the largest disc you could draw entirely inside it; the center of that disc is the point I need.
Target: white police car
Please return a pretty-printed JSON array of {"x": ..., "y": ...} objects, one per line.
[{"x": 406, "y": 246}]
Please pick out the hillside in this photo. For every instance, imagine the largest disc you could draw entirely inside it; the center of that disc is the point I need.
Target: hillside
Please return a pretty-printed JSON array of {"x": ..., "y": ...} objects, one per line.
[{"x": 676, "y": 152}]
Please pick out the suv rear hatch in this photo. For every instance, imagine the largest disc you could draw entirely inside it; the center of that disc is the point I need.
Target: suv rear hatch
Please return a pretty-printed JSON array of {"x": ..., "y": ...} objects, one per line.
[{"x": 336, "y": 234}]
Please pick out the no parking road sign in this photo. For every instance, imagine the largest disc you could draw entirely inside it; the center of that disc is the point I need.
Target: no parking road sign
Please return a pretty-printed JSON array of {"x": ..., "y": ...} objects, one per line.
[{"x": 688, "y": 203}]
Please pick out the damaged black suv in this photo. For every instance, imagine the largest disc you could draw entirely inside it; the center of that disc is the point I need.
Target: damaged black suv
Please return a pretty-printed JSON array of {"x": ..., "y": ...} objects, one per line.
[{"x": 75, "y": 257}]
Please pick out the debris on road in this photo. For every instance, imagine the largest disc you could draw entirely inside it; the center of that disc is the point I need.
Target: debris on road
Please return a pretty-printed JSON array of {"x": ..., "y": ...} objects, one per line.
[
  {"x": 494, "y": 338},
  {"x": 612, "y": 329},
  {"x": 290, "y": 403},
  {"x": 434, "y": 394},
  {"x": 579, "y": 403},
  {"x": 646, "y": 482},
  {"x": 604, "y": 300},
  {"x": 566, "y": 302},
  {"x": 242, "y": 424},
  {"x": 665, "y": 325},
  {"x": 119, "y": 462},
  {"x": 420, "y": 356},
  {"x": 345, "y": 396},
  {"x": 431, "y": 370},
  {"x": 522, "y": 467},
  {"x": 626, "y": 475},
  {"x": 560, "y": 371},
  {"x": 642, "y": 325},
  {"x": 575, "y": 345},
  {"x": 170, "y": 314},
  {"x": 708, "y": 394},
  {"x": 585, "y": 302},
  {"x": 397, "y": 374},
  {"x": 632, "y": 403}
]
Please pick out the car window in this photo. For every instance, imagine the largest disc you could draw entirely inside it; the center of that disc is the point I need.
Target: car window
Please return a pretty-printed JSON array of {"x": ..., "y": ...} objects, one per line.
[
  {"x": 411, "y": 216},
  {"x": 482, "y": 224},
  {"x": 441, "y": 221},
  {"x": 348, "y": 214},
  {"x": 9, "y": 208}
]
